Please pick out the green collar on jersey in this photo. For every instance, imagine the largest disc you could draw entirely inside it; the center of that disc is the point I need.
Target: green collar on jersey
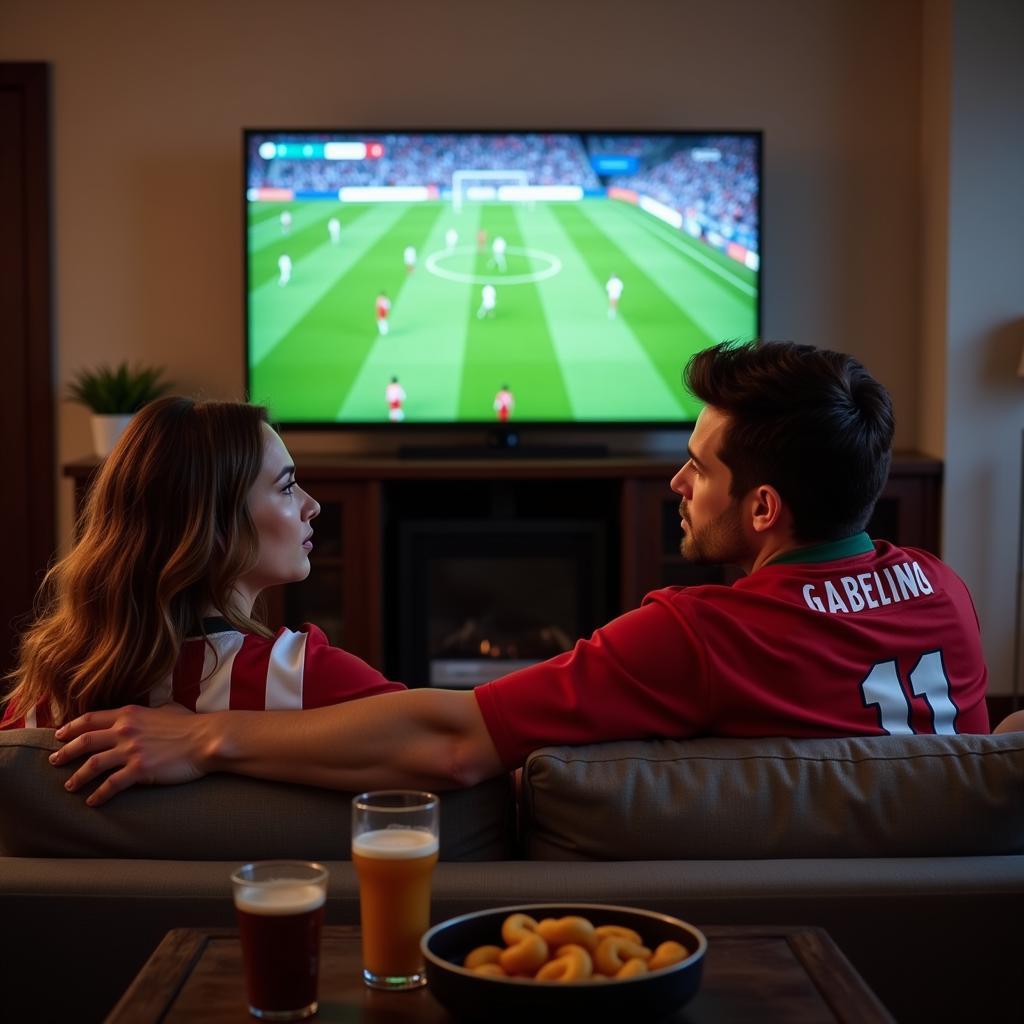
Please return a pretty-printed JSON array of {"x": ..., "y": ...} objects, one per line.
[{"x": 858, "y": 544}]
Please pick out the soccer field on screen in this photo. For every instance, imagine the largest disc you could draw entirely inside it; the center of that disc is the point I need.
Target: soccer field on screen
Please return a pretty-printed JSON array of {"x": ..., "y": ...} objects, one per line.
[{"x": 316, "y": 355}]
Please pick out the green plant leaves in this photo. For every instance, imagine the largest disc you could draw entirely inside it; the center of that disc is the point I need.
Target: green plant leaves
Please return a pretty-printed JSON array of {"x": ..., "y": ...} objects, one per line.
[{"x": 122, "y": 389}]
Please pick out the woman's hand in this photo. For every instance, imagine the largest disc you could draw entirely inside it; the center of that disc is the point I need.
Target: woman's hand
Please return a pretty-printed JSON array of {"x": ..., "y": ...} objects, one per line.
[{"x": 137, "y": 745}]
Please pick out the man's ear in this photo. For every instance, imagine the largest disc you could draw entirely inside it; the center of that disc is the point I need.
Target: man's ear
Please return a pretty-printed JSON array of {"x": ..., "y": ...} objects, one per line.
[{"x": 766, "y": 508}]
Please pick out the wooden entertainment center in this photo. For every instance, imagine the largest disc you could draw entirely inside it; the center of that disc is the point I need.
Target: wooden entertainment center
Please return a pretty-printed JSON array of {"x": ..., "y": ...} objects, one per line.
[{"x": 368, "y": 503}]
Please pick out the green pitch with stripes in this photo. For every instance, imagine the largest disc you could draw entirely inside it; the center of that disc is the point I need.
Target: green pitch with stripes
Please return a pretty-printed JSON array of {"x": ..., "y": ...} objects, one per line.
[{"x": 316, "y": 353}]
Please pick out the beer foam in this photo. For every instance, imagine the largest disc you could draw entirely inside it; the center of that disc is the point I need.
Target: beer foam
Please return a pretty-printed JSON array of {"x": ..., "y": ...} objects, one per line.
[
  {"x": 279, "y": 898},
  {"x": 395, "y": 844}
]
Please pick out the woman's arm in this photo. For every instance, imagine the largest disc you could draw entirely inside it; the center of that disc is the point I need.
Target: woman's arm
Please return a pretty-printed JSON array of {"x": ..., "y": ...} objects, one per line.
[{"x": 423, "y": 738}]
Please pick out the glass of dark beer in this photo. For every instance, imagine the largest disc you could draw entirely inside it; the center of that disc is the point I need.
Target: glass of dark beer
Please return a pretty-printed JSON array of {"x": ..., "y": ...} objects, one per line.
[{"x": 280, "y": 909}]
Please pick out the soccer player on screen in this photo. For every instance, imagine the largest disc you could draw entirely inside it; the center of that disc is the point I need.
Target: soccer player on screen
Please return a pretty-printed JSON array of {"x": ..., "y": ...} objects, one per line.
[
  {"x": 481, "y": 240},
  {"x": 286, "y": 222},
  {"x": 334, "y": 230},
  {"x": 498, "y": 253},
  {"x": 504, "y": 403},
  {"x": 394, "y": 393},
  {"x": 451, "y": 238},
  {"x": 488, "y": 300},
  {"x": 383, "y": 306},
  {"x": 284, "y": 269},
  {"x": 614, "y": 289},
  {"x": 410, "y": 258}
]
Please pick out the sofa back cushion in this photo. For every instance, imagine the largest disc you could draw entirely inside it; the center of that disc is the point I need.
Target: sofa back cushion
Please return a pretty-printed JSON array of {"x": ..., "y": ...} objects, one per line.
[
  {"x": 220, "y": 817},
  {"x": 899, "y": 796}
]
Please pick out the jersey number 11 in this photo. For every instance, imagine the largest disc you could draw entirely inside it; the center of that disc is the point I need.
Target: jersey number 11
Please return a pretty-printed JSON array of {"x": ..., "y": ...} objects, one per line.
[{"x": 928, "y": 679}]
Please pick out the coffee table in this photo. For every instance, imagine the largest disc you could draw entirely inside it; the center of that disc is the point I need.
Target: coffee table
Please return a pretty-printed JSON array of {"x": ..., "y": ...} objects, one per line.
[{"x": 764, "y": 974}]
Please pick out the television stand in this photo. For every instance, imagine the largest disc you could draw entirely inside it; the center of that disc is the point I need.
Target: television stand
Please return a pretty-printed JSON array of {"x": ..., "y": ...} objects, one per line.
[
  {"x": 367, "y": 499},
  {"x": 504, "y": 442}
]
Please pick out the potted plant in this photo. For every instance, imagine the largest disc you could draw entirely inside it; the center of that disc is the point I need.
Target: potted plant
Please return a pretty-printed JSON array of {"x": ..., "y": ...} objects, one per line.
[{"x": 114, "y": 395}]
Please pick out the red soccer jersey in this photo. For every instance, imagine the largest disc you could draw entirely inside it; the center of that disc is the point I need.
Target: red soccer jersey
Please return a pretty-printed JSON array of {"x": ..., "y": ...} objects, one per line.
[
  {"x": 242, "y": 671},
  {"x": 503, "y": 405},
  {"x": 881, "y": 641},
  {"x": 383, "y": 308}
]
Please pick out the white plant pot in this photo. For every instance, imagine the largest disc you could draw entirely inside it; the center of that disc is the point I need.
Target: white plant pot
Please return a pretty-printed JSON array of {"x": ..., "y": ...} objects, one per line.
[{"x": 106, "y": 430}]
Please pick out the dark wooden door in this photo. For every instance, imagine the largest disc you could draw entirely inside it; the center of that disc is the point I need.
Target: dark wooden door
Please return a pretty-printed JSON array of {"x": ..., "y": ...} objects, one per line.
[{"x": 26, "y": 360}]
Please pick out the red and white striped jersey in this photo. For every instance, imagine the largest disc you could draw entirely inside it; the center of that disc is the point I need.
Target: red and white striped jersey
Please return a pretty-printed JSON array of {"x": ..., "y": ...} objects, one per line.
[
  {"x": 242, "y": 671},
  {"x": 291, "y": 671}
]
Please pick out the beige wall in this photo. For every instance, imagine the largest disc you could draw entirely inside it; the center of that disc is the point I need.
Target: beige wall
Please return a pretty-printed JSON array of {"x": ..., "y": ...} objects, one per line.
[
  {"x": 935, "y": 98},
  {"x": 984, "y": 336},
  {"x": 149, "y": 99}
]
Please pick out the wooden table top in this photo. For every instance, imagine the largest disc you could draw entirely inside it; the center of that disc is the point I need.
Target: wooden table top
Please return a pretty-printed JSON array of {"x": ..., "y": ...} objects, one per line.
[{"x": 751, "y": 973}]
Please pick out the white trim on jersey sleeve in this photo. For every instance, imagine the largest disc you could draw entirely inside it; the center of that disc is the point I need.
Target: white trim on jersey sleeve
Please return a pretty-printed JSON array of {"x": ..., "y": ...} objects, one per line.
[
  {"x": 285, "y": 670},
  {"x": 215, "y": 686}
]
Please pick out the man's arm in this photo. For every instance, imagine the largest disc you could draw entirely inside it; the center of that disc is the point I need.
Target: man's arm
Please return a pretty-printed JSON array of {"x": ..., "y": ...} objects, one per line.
[{"x": 416, "y": 738}]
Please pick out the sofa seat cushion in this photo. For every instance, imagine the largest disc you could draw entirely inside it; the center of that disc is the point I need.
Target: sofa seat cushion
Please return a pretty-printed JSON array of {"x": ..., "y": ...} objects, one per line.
[
  {"x": 710, "y": 799},
  {"x": 220, "y": 817}
]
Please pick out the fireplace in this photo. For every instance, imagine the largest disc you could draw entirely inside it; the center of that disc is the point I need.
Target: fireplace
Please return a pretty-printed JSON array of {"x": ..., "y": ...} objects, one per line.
[{"x": 479, "y": 598}]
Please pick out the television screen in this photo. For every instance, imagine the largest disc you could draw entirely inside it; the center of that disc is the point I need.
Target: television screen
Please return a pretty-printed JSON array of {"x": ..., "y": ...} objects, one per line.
[{"x": 457, "y": 277}]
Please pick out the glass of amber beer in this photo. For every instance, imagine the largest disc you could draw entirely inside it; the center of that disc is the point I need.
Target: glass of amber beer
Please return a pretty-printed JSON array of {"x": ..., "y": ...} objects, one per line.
[
  {"x": 280, "y": 910},
  {"x": 394, "y": 850}
]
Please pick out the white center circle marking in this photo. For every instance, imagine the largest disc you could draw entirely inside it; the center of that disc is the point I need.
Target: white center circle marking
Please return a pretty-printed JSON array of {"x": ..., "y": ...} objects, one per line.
[{"x": 551, "y": 266}]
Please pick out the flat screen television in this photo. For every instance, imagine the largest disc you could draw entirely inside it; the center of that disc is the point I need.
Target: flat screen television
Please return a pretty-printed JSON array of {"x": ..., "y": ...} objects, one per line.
[{"x": 494, "y": 277}]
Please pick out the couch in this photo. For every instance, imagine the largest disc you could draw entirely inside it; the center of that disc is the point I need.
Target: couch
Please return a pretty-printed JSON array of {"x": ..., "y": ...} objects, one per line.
[{"x": 909, "y": 851}]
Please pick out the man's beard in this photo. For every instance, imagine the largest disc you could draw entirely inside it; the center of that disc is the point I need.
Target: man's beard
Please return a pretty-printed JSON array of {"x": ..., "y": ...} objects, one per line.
[{"x": 719, "y": 541}]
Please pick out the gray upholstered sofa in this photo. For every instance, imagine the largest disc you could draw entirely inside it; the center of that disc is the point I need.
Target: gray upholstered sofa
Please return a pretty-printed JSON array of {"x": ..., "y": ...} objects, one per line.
[{"x": 909, "y": 851}]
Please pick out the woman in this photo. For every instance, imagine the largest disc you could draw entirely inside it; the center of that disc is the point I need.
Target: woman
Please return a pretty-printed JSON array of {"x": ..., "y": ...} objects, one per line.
[{"x": 194, "y": 513}]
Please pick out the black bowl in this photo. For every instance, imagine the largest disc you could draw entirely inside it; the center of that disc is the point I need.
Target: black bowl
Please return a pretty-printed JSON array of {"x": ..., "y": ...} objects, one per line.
[{"x": 471, "y": 996}]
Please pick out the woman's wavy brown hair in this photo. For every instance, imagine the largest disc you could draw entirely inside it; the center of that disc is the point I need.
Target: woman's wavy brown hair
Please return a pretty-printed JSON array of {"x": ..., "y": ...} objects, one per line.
[{"x": 165, "y": 533}]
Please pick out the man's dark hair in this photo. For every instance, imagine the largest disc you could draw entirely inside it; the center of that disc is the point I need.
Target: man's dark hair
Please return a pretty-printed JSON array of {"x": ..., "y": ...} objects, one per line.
[{"x": 813, "y": 424}]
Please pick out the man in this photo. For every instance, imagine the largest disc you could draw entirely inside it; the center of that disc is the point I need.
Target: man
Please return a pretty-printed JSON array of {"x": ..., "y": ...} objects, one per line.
[
  {"x": 614, "y": 289},
  {"x": 488, "y": 300},
  {"x": 284, "y": 269},
  {"x": 410, "y": 258},
  {"x": 504, "y": 403},
  {"x": 334, "y": 230},
  {"x": 394, "y": 395},
  {"x": 498, "y": 248},
  {"x": 827, "y": 635},
  {"x": 382, "y": 306}
]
